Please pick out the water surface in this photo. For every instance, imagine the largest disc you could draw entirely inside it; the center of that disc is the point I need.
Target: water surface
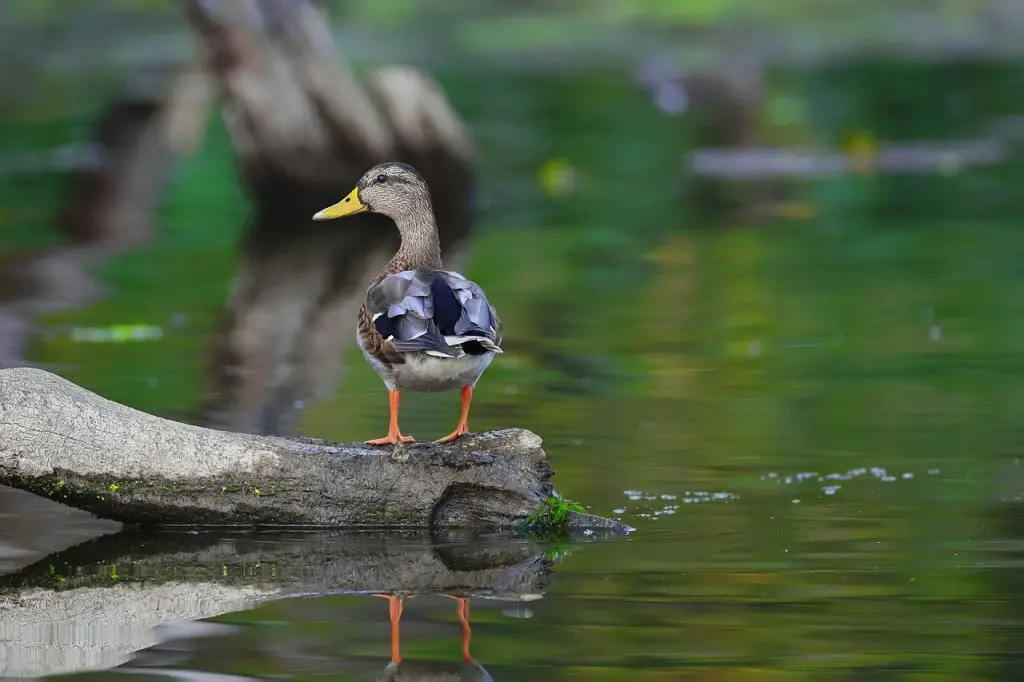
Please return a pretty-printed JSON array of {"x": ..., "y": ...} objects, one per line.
[{"x": 814, "y": 424}]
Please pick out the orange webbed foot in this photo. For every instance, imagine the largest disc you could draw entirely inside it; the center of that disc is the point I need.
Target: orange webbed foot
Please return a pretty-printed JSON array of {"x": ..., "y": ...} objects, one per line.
[
  {"x": 457, "y": 433},
  {"x": 394, "y": 436},
  {"x": 463, "y": 426},
  {"x": 391, "y": 439}
]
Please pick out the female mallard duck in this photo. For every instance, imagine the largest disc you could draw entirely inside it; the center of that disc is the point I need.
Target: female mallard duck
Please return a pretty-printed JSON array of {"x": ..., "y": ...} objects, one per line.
[{"x": 422, "y": 328}]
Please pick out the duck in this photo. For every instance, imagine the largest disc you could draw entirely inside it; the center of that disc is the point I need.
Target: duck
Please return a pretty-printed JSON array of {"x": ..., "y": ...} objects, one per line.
[{"x": 420, "y": 327}]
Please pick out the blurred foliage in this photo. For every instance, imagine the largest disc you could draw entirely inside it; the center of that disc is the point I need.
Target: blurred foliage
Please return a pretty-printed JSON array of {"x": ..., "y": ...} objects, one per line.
[
  {"x": 59, "y": 42},
  {"x": 30, "y": 201},
  {"x": 191, "y": 263}
]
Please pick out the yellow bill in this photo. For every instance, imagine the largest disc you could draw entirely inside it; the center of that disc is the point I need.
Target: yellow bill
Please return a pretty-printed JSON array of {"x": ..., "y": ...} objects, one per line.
[{"x": 350, "y": 205}]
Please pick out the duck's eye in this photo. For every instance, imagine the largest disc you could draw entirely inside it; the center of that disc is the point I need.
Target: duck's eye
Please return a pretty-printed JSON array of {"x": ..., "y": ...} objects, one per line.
[{"x": 382, "y": 178}]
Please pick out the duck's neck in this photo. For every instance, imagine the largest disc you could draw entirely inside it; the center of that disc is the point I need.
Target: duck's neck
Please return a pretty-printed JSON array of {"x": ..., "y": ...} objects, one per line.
[{"x": 420, "y": 247}]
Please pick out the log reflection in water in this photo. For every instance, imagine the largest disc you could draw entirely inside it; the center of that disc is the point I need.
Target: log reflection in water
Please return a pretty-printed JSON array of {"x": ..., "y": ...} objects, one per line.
[{"x": 52, "y": 610}]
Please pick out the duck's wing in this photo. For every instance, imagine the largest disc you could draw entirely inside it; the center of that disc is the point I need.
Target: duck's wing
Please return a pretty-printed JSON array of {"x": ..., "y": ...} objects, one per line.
[{"x": 438, "y": 312}]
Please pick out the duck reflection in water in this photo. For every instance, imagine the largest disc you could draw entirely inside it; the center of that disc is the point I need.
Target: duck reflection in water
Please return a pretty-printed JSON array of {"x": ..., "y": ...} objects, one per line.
[{"x": 466, "y": 670}]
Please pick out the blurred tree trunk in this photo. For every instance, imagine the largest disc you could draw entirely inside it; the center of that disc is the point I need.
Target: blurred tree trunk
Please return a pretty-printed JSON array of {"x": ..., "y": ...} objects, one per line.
[
  {"x": 304, "y": 131},
  {"x": 111, "y": 203}
]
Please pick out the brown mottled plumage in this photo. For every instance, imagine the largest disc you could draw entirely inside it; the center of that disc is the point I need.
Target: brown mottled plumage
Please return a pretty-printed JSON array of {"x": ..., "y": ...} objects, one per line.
[{"x": 422, "y": 328}]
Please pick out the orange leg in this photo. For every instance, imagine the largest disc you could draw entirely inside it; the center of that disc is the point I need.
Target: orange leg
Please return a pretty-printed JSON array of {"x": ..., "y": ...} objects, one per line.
[
  {"x": 394, "y": 434},
  {"x": 463, "y": 426},
  {"x": 395, "y": 614},
  {"x": 467, "y": 633}
]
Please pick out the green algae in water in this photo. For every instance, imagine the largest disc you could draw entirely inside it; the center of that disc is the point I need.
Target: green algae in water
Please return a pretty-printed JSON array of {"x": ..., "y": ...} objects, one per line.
[{"x": 553, "y": 516}]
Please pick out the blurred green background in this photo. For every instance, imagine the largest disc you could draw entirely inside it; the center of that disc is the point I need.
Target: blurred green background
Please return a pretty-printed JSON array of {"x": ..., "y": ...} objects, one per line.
[{"x": 665, "y": 342}]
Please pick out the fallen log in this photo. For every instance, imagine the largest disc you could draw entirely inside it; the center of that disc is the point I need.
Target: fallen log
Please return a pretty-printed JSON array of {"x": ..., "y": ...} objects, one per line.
[
  {"x": 64, "y": 442},
  {"x": 150, "y": 581}
]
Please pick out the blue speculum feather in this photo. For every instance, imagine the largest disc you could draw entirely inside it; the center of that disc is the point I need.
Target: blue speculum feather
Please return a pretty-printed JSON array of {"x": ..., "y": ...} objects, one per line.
[
  {"x": 447, "y": 309},
  {"x": 383, "y": 325},
  {"x": 432, "y": 308}
]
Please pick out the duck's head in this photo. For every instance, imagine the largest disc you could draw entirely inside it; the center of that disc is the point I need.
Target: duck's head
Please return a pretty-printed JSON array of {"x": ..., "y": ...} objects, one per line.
[{"x": 392, "y": 189}]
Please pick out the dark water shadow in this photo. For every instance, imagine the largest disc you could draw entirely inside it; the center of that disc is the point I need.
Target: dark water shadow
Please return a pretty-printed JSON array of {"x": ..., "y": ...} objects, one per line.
[
  {"x": 92, "y": 606},
  {"x": 32, "y": 527}
]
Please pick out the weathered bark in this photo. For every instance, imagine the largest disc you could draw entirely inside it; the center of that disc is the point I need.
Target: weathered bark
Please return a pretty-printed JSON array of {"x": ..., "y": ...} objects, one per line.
[
  {"x": 64, "y": 442},
  {"x": 304, "y": 131},
  {"x": 146, "y": 580}
]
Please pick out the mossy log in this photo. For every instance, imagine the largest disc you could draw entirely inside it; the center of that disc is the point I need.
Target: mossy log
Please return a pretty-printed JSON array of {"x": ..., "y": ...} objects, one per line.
[
  {"x": 71, "y": 445},
  {"x": 147, "y": 582}
]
